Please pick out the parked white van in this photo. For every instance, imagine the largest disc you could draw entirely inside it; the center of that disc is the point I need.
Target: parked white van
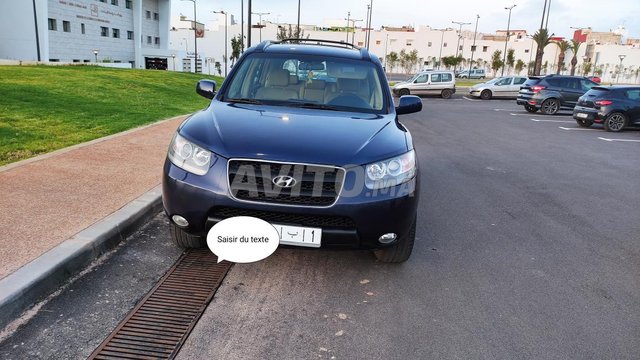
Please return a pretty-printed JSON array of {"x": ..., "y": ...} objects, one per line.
[
  {"x": 434, "y": 82},
  {"x": 475, "y": 74}
]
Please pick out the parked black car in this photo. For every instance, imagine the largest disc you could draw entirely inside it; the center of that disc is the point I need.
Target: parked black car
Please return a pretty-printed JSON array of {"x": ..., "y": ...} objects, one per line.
[
  {"x": 282, "y": 143},
  {"x": 615, "y": 107},
  {"x": 551, "y": 93}
]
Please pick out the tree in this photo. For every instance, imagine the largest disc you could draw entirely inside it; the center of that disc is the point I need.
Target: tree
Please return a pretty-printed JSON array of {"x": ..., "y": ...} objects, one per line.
[
  {"x": 392, "y": 60},
  {"x": 575, "y": 46},
  {"x": 291, "y": 34},
  {"x": 545, "y": 66},
  {"x": 511, "y": 58},
  {"x": 450, "y": 61},
  {"x": 236, "y": 49},
  {"x": 218, "y": 67},
  {"x": 542, "y": 39},
  {"x": 519, "y": 66},
  {"x": 496, "y": 61},
  {"x": 408, "y": 60},
  {"x": 599, "y": 70},
  {"x": 586, "y": 68},
  {"x": 563, "y": 45}
]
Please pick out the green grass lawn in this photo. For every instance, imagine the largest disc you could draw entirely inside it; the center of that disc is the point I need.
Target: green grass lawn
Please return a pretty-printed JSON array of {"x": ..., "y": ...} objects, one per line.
[{"x": 44, "y": 108}]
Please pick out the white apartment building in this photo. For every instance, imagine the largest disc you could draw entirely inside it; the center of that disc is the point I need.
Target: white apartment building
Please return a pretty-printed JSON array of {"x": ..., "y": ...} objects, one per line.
[{"x": 85, "y": 31}]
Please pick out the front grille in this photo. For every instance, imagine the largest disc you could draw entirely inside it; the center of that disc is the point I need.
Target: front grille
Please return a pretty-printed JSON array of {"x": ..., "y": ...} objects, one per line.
[
  {"x": 321, "y": 221},
  {"x": 314, "y": 185}
]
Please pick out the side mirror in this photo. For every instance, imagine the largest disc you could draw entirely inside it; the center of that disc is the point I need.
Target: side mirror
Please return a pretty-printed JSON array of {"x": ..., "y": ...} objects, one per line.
[
  {"x": 206, "y": 88},
  {"x": 408, "y": 104}
]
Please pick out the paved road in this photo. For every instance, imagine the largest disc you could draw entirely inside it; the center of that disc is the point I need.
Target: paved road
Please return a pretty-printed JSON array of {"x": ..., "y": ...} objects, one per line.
[{"x": 528, "y": 246}]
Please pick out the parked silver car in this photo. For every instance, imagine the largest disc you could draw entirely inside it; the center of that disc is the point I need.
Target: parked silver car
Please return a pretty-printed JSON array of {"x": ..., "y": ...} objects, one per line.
[
  {"x": 502, "y": 87},
  {"x": 433, "y": 82}
]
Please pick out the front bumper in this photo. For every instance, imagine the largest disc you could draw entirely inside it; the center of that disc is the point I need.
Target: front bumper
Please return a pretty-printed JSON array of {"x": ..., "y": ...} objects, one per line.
[{"x": 355, "y": 221}]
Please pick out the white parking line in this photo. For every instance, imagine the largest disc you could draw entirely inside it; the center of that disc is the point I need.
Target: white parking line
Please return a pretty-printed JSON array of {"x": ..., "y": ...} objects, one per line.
[
  {"x": 580, "y": 129},
  {"x": 621, "y": 140},
  {"x": 553, "y": 121},
  {"x": 515, "y": 114},
  {"x": 466, "y": 98}
]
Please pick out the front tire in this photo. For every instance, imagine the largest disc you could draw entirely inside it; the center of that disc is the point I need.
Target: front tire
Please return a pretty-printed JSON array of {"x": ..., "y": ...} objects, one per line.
[
  {"x": 584, "y": 123},
  {"x": 401, "y": 251},
  {"x": 446, "y": 94},
  {"x": 531, "y": 108},
  {"x": 550, "y": 106},
  {"x": 486, "y": 94},
  {"x": 404, "y": 92},
  {"x": 186, "y": 240},
  {"x": 615, "y": 122}
]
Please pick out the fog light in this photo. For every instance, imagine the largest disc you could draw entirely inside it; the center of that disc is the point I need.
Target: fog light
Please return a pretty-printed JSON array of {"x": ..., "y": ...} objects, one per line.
[
  {"x": 387, "y": 238},
  {"x": 180, "y": 221}
]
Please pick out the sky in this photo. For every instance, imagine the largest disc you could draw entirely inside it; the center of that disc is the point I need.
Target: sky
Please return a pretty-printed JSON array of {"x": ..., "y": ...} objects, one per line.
[{"x": 600, "y": 15}]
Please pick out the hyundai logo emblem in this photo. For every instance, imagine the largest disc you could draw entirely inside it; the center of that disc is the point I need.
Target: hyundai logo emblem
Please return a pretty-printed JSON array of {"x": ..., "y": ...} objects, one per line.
[{"x": 284, "y": 181}]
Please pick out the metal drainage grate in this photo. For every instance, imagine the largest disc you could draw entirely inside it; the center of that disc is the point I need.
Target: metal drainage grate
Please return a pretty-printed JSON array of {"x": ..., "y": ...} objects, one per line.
[{"x": 158, "y": 326}]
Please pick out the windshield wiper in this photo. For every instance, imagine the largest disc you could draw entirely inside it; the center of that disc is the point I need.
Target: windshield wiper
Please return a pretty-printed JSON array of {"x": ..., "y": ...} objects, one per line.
[
  {"x": 243, "y": 101},
  {"x": 312, "y": 105}
]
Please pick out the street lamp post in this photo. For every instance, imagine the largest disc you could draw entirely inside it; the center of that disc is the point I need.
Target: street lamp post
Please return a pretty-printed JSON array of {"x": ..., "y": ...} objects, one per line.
[
  {"x": 386, "y": 45},
  {"x": 506, "y": 41},
  {"x": 95, "y": 53},
  {"x": 195, "y": 33},
  {"x": 529, "y": 70},
  {"x": 441, "y": 42},
  {"x": 455, "y": 68},
  {"x": 226, "y": 41},
  {"x": 348, "y": 22},
  {"x": 242, "y": 24},
  {"x": 353, "y": 35},
  {"x": 298, "y": 28},
  {"x": 620, "y": 68},
  {"x": 173, "y": 57},
  {"x": 473, "y": 47},
  {"x": 260, "y": 22}
]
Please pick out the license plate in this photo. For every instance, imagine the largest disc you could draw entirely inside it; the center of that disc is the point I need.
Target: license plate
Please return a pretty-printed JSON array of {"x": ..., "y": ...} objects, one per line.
[
  {"x": 582, "y": 115},
  {"x": 299, "y": 236}
]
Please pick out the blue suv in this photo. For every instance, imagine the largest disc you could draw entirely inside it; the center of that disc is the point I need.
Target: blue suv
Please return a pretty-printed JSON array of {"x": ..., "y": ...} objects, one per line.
[{"x": 303, "y": 134}]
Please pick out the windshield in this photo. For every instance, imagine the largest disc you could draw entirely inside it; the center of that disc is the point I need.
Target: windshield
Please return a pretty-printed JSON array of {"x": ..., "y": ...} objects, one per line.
[{"x": 307, "y": 81}]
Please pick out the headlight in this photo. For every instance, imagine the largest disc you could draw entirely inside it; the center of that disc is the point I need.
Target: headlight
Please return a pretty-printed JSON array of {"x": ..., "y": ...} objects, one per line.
[
  {"x": 391, "y": 172},
  {"x": 189, "y": 156}
]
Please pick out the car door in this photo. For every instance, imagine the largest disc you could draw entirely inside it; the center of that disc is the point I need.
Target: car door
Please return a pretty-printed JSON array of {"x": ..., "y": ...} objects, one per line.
[
  {"x": 435, "y": 84},
  {"x": 514, "y": 88},
  {"x": 501, "y": 87},
  {"x": 419, "y": 85},
  {"x": 632, "y": 98}
]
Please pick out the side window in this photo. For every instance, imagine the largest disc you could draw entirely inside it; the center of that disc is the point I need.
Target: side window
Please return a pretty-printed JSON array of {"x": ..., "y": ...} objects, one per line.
[
  {"x": 505, "y": 81},
  {"x": 436, "y": 78},
  {"x": 446, "y": 77},
  {"x": 586, "y": 85},
  {"x": 519, "y": 81},
  {"x": 422, "y": 79},
  {"x": 291, "y": 66},
  {"x": 633, "y": 95},
  {"x": 556, "y": 83}
]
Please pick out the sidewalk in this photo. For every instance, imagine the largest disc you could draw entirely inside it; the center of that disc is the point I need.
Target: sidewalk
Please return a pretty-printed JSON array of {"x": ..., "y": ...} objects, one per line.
[{"x": 49, "y": 199}]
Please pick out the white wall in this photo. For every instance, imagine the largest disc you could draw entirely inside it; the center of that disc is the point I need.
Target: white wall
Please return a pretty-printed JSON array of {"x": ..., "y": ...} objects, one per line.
[{"x": 17, "y": 30}]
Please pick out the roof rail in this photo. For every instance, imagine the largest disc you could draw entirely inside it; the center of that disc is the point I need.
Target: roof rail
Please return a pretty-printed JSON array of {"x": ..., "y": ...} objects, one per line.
[{"x": 318, "y": 42}]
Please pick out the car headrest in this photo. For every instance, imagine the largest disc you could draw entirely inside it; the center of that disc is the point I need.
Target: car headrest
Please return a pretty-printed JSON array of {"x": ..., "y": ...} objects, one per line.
[
  {"x": 350, "y": 85},
  {"x": 316, "y": 84},
  {"x": 293, "y": 79},
  {"x": 278, "y": 77}
]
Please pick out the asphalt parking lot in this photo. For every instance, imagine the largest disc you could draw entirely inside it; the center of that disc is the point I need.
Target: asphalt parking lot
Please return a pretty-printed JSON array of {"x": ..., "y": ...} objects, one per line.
[{"x": 528, "y": 247}]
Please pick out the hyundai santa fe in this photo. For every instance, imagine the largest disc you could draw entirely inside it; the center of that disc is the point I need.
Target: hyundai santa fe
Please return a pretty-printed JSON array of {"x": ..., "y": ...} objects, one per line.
[{"x": 303, "y": 134}]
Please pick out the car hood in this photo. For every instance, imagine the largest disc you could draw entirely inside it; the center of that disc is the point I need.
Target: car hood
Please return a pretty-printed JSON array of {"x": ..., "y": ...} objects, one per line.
[{"x": 295, "y": 135}]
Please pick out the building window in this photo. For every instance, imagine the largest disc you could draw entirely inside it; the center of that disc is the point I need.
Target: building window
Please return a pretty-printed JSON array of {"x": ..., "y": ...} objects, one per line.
[
  {"x": 157, "y": 41},
  {"x": 526, "y": 51},
  {"x": 156, "y": 16},
  {"x": 148, "y": 39},
  {"x": 360, "y": 43},
  {"x": 409, "y": 42},
  {"x": 148, "y": 13},
  {"x": 130, "y": 35},
  {"x": 104, "y": 31},
  {"x": 128, "y": 4},
  {"x": 114, "y": 2},
  {"x": 444, "y": 45},
  {"x": 116, "y": 33},
  {"x": 104, "y": 1},
  {"x": 460, "y": 48},
  {"x": 76, "y": 60},
  {"x": 473, "y": 48},
  {"x": 86, "y": 61},
  {"x": 82, "y": 28},
  {"x": 66, "y": 26},
  {"x": 429, "y": 44},
  {"x": 54, "y": 60},
  {"x": 485, "y": 48},
  {"x": 53, "y": 24},
  {"x": 378, "y": 42}
]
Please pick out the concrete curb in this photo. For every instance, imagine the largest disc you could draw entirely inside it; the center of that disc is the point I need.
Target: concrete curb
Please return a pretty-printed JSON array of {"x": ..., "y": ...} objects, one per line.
[{"x": 42, "y": 276}]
